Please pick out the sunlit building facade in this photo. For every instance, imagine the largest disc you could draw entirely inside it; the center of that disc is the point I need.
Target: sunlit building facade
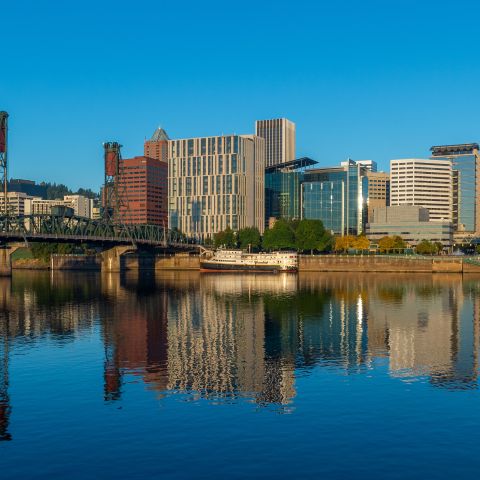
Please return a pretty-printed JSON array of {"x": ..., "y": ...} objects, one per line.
[
  {"x": 279, "y": 135},
  {"x": 337, "y": 196},
  {"x": 143, "y": 189},
  {"x": 215, "y": 183},
  {"x": 425, "y": 183},
  {"x": 410, "y": 222},
  {"x": 378, "y": 191}
]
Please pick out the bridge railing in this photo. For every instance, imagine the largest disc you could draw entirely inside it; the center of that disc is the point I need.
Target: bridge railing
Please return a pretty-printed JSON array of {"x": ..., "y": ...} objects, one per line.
[{"x": 81, "y": 228}]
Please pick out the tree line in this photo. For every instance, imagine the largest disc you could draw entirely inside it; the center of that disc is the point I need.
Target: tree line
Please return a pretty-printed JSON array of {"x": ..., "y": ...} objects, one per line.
[
  {"x": 311, "y": 236},
  {"x": 301, "y": 235},
  {"x": 59, "y": 190}
]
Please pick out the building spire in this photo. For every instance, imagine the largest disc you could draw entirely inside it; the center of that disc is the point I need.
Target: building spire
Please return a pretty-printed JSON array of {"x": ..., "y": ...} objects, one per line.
[{"x": 159, "y": 135}]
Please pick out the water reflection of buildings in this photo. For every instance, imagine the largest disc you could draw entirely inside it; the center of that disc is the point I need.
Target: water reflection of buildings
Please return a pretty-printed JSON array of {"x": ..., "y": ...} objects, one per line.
[
  {"x": 246, "y": 336},
  {"x": 34, "y": 307},
  {"x": 209, "y": 339},
  {"x": 425, "y": 325},
  {"x": 4, "y": 360},
  {"x": 134, "y": 330},
  {"x": 229, "y": 354},
  {"x": 430, "y": 328}
]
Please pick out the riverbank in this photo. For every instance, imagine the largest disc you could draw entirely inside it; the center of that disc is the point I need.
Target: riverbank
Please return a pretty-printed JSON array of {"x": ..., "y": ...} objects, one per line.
[
  {"x": 30, "y": 264},
  {"x": 307, "y": 263},
  {"x": 385, "y": 263}
]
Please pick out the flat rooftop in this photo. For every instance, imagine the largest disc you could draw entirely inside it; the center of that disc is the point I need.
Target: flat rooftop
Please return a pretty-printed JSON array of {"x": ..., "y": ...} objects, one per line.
[
  {"x": 296, "y": 164},
  {"x": 458, "y": 149}
]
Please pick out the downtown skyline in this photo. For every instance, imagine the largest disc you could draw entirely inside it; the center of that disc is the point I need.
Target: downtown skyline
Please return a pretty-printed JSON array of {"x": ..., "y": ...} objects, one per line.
[{"x": 376, "y": 82}]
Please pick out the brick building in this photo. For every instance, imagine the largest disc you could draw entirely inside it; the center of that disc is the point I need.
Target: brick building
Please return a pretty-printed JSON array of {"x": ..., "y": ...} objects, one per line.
[
  {"x": 157, "y": 146},
  {"x": 143, "y": 189}
]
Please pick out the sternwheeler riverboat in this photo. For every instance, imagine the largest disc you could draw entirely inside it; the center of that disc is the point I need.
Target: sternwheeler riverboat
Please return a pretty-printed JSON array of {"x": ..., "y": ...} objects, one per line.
[{"x": 240, "y": 261}]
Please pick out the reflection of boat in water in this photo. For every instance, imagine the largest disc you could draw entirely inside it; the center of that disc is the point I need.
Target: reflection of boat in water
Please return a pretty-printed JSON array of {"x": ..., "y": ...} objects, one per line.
[
  {"x": 239, "y": 261},
  {"x": 237, "y": 284}
]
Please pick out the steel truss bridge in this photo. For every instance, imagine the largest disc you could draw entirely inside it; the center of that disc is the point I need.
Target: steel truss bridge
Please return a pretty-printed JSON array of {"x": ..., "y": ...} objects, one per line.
[{"x": 72, "y": 229}]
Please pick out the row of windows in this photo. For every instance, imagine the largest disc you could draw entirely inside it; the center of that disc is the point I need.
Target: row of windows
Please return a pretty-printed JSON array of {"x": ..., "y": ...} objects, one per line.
[
  {"x": 195, "y": 166},
  {"x": 223, "y": 204},
  {"x": 217, "y": 185},
  {"x": 207, "y": 224},
  {"x": 204, "y": 146}
]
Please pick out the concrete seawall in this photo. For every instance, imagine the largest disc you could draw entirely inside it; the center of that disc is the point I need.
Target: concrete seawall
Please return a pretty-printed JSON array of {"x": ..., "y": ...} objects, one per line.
[
  {"x": 376, "y": 264},
  {"x": 307, "y": 263},
  {"x": 128, "y": 262},
  {"x": 74, "y": 262}
]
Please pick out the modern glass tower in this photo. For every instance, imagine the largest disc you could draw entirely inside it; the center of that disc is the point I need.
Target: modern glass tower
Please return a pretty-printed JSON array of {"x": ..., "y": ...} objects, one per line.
[
  {"x": 282, "y": 189},
  {"x": 465, "y": 160},
  {"x": 337, "y": 196}
]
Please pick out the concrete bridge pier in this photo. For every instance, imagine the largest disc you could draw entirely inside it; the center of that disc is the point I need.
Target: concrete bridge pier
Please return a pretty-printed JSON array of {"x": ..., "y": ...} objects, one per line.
[
  {"x": 111, "y": 258},
  {"x": 6, "y": 258}
]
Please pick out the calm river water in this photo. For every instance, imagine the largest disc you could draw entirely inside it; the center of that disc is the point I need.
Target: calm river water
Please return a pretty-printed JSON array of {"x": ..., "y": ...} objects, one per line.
[{"x": 188, "y": 375}]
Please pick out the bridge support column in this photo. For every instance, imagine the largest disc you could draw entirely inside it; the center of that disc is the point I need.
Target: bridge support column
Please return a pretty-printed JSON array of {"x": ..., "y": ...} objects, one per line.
[
  {"x": 111, "y": 258},
  {"x": 6, "y": 258}
]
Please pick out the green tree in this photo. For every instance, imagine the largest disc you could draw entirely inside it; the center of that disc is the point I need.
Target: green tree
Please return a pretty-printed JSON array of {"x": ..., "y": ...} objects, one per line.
[
  {"x": 44, "y": 251},
  {"x": 87, "y": 192},
  {"x": 281, "y": 236},
  {"x": 311, "y": 235},
  {"x": 249, "y": 237},
  {"x": 225, "y": 238},
  {"x": 294, "y": 223},
  {"x": 426, "y": 248},
  {"x": 55, "y": 191},
  {"x": 398, "y": 242}
]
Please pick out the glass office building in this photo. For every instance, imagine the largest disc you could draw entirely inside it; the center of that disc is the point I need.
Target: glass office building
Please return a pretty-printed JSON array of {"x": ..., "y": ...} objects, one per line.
[
  {"x": 282, "y": 189},
  {"x": 337, "y": 196},
  {"x": 465, "y": 160}
]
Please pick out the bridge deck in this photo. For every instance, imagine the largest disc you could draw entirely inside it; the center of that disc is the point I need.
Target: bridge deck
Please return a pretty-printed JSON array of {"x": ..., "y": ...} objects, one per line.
[{"x": 51, "y": 228}]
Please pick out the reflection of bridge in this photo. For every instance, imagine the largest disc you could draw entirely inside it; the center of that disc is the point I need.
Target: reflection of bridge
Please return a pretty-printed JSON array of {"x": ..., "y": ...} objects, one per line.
[{"x": 117, "y": 238}]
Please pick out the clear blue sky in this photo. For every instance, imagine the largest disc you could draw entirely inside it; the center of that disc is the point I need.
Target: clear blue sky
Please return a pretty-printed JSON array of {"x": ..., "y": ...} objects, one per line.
[{"x": 362, "y": 79}]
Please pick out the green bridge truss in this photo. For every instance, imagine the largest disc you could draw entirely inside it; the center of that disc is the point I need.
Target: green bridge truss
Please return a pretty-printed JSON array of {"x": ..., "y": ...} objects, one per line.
[{"x": 71, "y": 229}]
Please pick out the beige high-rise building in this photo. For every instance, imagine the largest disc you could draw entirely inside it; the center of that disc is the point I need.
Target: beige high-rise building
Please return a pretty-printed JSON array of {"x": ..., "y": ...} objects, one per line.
[
  {"x": 41, "y": 206},
  {"x": 378, "y": 191},
  {"x": 17, "y": 203},
  {"x": 279, "y": 135},
  {"x": 81, "y": 205},
  {"x": 425, "y": 183},
  {"x": 215, "y": 183}
]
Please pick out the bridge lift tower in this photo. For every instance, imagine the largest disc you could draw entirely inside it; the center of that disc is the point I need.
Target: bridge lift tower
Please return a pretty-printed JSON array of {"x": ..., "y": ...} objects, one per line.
[
  {"x": 3, "y": 158},
  {"x": 113, "y": 198}
]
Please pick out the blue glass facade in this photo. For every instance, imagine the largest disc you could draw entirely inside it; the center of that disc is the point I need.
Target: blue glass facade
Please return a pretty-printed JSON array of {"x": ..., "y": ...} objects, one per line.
[
  {"x": 282, "y": 195},
  {"x": 465, "y": 164},
  {"x": 283, "y": 189},
  {"x": 337, "y": 197}
]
